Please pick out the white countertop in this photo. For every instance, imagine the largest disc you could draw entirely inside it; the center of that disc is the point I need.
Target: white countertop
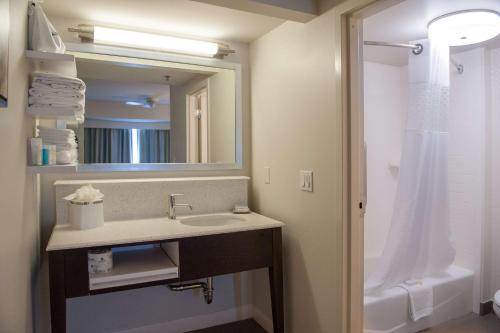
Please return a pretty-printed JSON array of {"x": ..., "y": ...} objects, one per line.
[{"x": 144, "y": 230}]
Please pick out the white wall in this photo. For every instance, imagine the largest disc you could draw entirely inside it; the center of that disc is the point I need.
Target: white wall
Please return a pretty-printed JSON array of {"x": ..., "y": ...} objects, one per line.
[
  {"x": 122, "y": 124},
  {"x": 222, "y": 122},
  {"x": 222, "y": 117},
  {"x": 18, "y": 200},
  {"x": 178, "y": 122},
  {"x": 467, "y": 161},
  {"x": 385, "y": 105},
  {"x": 297, "y": 126},
  {"x": 492, "y": 231},
  {"x": 120, "y": 111}
]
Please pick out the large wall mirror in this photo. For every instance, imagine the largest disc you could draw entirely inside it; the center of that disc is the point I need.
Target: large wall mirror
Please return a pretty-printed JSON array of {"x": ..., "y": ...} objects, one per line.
[{"x": 144, "y": 114}]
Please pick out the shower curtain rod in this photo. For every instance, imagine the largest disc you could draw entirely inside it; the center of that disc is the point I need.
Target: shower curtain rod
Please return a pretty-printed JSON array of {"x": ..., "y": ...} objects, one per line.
[{"x": 416, "y": 49}]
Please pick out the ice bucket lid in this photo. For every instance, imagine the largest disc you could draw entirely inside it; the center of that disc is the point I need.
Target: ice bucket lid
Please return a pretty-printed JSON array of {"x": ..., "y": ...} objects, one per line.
[{"x": 83, "y": 203}]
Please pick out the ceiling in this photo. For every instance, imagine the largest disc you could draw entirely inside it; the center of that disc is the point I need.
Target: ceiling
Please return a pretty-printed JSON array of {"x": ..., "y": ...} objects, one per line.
[
  {"x": 113, "y": 91},
  {"x": 108, "y": 81},
  {"x": 88, "y": 69},
  {"x": 407, "y": 21},
  {"x": 181, "y": 17}
]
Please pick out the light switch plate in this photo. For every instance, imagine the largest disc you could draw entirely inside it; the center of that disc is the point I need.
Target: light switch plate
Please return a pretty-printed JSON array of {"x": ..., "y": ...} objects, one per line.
[
  {"x": 267, "y": 175},
  {"x": 306, "y": 180}
]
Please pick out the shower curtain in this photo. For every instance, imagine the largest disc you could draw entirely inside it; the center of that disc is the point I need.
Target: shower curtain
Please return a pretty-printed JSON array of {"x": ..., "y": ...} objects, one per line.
[{"x": 418, "y": 243}]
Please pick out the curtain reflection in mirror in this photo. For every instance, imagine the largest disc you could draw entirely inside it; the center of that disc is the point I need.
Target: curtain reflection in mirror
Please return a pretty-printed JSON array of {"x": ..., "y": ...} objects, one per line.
[
  {"x": 117, "y": 145},
  {"x": 108, "y": 145}
]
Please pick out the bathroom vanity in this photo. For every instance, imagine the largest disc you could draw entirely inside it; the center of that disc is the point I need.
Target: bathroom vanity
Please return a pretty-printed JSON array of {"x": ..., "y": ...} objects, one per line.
[{"x": 160, "y": 251}]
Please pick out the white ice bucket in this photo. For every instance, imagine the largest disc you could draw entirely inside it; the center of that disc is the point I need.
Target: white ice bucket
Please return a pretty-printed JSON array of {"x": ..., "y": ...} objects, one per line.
[{"x": 86, "y": 215}]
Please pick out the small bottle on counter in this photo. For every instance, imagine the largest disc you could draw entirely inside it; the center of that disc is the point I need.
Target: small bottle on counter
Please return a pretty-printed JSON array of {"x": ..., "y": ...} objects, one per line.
[
  {"x": 45, "y": 154},
  {"x": 52, "y": 154},
  {"x": 36, "y": 151}
]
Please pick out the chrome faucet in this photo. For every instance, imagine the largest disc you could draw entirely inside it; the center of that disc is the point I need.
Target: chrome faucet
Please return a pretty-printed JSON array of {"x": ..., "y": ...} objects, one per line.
[{"x": 172, "y": 205}]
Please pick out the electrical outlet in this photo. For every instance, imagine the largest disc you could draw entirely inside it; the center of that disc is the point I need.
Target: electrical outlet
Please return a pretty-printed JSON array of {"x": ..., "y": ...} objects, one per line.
[{"x": 306, "y": 180}]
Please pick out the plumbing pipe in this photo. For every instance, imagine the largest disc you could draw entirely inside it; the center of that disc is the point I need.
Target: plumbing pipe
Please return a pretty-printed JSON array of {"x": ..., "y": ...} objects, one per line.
[{"x": 208, "y": 289}]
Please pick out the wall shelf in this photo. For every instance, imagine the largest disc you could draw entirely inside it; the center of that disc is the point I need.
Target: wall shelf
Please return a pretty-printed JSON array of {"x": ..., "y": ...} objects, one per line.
[
  {"x": 56, "y": 168},
  {"x": 39, "y": 56},
  {"x": 56, "y": 63},
  {"x": 53, "y": 114},
  {"x": 136, "y": 266}
]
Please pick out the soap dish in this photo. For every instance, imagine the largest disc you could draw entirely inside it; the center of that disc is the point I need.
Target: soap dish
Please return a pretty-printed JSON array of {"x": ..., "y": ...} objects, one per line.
[{"x": 241, "y": 210}]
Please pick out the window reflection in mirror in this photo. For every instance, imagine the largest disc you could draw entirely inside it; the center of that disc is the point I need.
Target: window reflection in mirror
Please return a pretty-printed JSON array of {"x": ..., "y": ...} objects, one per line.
[{"x": 156, "y": 112}]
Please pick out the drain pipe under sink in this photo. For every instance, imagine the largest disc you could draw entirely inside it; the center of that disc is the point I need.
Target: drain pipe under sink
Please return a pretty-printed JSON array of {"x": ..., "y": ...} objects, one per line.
[{"x": 208, "y": 288}]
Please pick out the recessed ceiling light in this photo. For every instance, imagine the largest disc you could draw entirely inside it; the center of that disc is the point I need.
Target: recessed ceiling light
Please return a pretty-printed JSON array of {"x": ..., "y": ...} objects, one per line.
[{"x": 465, "y": 27}]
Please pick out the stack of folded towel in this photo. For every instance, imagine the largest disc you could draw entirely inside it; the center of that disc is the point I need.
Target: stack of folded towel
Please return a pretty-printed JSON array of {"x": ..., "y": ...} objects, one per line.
[
  {"x": 52, "y": 93},
  {"x": 65, "y": 142}
]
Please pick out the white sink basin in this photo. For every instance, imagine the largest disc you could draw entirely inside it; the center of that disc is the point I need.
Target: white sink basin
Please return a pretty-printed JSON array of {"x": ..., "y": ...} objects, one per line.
[{"x": 213, "y": 220}]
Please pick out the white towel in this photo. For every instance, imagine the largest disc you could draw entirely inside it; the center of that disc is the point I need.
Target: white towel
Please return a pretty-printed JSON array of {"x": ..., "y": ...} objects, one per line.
[
  {"x": 51, "y": 92},
  {"x": 56, "y": 130},
  {"x": 421, "y": 299},
  {"x": 57, "y": 86},
  {"x": 66, "y": 156},
  {"x": 60, "y": 146},
  {"x": 56, "y": 107},
  {"x": 47, "y": 100},
  {"x": 59, "y": 136},
  {"x": 50, "y": 78}
]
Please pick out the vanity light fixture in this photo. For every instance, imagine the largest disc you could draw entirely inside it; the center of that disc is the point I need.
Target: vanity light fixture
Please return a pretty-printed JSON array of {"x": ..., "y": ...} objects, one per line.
[
  {"x": 465, "y": 27},
  {"x": 141, "y": 40}
]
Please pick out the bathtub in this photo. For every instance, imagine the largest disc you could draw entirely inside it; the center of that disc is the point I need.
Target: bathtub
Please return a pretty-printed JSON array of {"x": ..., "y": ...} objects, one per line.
[{"x": 388, "y": 311}]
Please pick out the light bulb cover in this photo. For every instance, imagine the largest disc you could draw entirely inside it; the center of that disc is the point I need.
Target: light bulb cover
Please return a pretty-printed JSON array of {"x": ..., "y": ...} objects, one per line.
[
  {"x": 465, "y": 27},
  {"x": 155, "y": 42},
  {"x": 143, "y": 40}
]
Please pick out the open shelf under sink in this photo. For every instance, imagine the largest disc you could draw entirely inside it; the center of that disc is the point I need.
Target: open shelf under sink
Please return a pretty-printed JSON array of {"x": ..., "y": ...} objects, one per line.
[{"x": 136, "y": 266}]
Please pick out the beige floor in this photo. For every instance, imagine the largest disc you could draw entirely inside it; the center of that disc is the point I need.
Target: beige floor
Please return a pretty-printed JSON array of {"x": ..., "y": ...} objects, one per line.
[{"x": 469, "y": 324}]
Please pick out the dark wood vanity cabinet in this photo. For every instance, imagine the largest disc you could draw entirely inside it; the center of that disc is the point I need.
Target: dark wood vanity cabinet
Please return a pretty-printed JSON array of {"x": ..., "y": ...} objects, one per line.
[{"x": 199, "y": 257}]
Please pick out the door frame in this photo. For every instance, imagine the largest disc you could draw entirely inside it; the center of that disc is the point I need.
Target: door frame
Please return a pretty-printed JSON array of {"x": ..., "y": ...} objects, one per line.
[
  {"x": 349, "y": 66},
  {"x": 203, "y": 151}
]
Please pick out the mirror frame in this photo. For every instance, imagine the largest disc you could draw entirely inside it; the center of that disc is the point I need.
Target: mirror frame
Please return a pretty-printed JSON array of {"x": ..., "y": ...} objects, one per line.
[{"x": 190, "y": 60}]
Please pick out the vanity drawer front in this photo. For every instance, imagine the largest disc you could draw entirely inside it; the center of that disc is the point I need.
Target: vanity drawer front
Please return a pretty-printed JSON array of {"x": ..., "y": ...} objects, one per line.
[{"x": 213, "y": 255}]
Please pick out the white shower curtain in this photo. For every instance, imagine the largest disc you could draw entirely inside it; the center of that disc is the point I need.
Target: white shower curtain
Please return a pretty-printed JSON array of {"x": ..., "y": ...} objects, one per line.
[{"x": 418, "y": 243}]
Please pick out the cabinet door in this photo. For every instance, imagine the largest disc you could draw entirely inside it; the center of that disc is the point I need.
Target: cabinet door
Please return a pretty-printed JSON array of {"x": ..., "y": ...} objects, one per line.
[
  {"x": 206, "y": 256},
  {"x": 76, "y": 272}
]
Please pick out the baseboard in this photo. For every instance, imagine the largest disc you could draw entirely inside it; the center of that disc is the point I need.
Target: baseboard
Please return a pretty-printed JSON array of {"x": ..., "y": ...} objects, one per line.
[
  {"x": 197, "y": 322},
  {"x": 263, "y": 320},
  {"x": 485, "y": 308}
]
